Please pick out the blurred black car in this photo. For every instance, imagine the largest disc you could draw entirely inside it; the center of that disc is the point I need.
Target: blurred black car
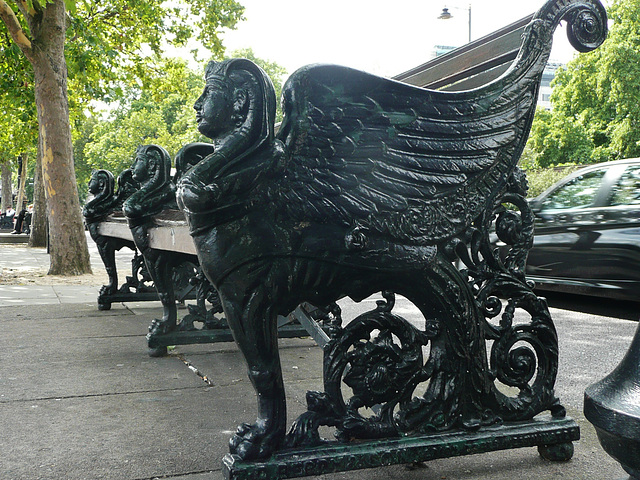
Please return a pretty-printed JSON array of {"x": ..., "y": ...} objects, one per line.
[{"x": 587, "y": 233}]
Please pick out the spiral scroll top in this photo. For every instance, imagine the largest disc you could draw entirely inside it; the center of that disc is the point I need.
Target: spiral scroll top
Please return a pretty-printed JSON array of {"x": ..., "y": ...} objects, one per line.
[{"x": 587, "y": 28}]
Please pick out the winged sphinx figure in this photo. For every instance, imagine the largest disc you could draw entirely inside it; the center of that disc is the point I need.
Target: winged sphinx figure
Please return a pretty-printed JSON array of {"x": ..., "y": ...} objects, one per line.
[
  {"x": 359, "y": 192},
  {"x": 152, "y": 169},
  {"x": 107, "y": 200}
]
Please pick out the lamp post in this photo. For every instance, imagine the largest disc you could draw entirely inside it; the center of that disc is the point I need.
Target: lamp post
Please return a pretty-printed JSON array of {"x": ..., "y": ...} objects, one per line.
[{"x": 446, "y": 15}]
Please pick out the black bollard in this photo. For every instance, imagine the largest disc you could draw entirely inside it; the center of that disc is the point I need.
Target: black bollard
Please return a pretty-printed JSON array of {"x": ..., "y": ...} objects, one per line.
[{"x": 612, "y": 405}]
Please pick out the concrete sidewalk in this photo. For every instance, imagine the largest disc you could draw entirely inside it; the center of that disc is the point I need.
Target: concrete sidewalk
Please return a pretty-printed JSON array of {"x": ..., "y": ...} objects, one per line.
[
  {"x": 81, "y": 399},
  {"x": 15, "y": 256}
]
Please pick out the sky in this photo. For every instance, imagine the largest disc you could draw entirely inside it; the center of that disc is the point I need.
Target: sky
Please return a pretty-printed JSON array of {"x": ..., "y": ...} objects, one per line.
[{"x": 382, "y": 37}]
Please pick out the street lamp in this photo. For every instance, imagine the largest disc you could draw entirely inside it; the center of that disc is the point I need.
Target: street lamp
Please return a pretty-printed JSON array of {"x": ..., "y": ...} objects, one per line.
[{"x": 446, "y": 15}]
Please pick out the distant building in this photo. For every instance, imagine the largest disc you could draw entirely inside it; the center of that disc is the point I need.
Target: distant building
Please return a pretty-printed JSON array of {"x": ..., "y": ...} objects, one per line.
[
  {"x": 441, "y": 50},
  {"x": 544, "y": 97}
]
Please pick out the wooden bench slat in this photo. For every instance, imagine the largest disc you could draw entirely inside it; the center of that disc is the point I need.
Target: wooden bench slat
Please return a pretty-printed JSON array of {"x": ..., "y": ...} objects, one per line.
[{"x": 499, "y": 47}]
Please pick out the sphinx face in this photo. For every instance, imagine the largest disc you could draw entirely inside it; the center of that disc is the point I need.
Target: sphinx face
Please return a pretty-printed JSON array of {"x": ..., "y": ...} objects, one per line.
[
  {"x": 140, "y": 169},
  {"x": 94, "y": 185},
  {"x": 214, "y": 110}
]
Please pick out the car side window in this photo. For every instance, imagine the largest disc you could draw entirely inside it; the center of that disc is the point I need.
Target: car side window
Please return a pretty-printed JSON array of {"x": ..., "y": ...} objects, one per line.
[
  {"x": 627, "y": 190},
  {"x": 579, "y": 192}
]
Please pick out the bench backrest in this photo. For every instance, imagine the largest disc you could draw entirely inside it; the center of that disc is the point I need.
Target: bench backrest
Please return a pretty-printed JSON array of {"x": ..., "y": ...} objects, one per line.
[{"x": 471, "y": 65}]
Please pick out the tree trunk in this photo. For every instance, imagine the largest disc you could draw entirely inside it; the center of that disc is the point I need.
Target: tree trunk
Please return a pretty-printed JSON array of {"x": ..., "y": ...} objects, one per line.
[
  {"x": 7, "y": 194},
  {"x": 67, "y": 240},
  {"x": 38, "y": 237},
  {"x": 22, "y": 177}
]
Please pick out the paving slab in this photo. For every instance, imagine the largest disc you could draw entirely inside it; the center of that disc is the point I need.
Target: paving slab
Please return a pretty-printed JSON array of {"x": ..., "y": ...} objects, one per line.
[
  {"x": 16, "y": 295},
  {"x": 590, "y": 462},
  {"x": 77, "y": 320},
  {"x": 589, "y": 350},
  {"x": 78, "y": 356},
  {"x": 89, "y": 367},
  {"x": 127, "y": 416},
  {"x": 129, "y": 436},
  {"x": 17, "y": 255},
  {"x": 36, "y": 294},
  {"x": 73, "y": 294}
]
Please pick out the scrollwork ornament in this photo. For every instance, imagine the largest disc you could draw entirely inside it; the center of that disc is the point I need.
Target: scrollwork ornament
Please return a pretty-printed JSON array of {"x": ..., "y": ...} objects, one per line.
[
  {"x": 378, "y": 356},
  {"x": 525, "y": 356},
  {"x": 515, "y": 228},
  {"x": 380, "y": 370},
  {"x": 587, "y": 27}
]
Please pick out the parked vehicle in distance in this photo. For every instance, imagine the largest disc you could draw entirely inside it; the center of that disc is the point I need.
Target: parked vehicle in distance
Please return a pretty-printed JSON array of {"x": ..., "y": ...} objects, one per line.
[{"x": 587, "y": 233}]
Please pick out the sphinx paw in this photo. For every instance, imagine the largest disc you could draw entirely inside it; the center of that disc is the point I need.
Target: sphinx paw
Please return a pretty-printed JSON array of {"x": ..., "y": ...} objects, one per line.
[
  {"x": 254, "y": 442},
  {"x": 107, "y": 290},
  {"x": 160, "y": 327}
]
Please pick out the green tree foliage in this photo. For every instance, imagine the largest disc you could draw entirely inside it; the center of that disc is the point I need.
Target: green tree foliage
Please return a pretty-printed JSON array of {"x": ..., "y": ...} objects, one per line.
[
  {"x": 161, "y": 113},
  {"x": 110, "y": 42},
  {"x": 541, "y": 179},
  {"x": 555, "y": 139},
  {"x": 18, "y": 126},
  {"x": 596, "y": 112},
  {"x": 92, "y": 48}
]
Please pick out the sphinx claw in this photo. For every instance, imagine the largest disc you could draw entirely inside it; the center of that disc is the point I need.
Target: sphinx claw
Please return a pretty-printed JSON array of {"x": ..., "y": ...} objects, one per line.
[
  {"x": 253, "y": 442},
  {"x": 159, "y": 327}
]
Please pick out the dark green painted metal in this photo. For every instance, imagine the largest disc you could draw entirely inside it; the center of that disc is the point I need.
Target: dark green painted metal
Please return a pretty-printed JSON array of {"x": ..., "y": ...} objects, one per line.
[
  {"x": 105, "y": 300},
  {"x": 370, "y": 186},
  {"x": 184, "y": 281},
  {"x": 334, "y": 457},
  {"x": 612, "y": 405},
  {"x": 106, "y": 202}
]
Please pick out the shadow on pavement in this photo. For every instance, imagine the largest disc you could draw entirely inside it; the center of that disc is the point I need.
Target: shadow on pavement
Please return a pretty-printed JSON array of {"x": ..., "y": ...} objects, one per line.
[{"x": 594, "y": 305}]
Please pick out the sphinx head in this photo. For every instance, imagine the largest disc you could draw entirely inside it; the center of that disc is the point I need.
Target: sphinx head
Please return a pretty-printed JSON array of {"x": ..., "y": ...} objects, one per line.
[
  {"x": 152, "y": 169},
  {"x": 151, "y": 162},
  {"x": 237, "y": 94},
  {"x": 101, "y": 182},
  {"x": 101, "y": 186}
]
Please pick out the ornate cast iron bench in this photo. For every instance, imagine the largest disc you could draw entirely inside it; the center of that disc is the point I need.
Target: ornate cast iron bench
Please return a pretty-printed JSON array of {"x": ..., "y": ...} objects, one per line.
[
  {"x": 372, "y": 185},
  {"x": 107, "y": 227},
  {"x": 476, "y": 63}
]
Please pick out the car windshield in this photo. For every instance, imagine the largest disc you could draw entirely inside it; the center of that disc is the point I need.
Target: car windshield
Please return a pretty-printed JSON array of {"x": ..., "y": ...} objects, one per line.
[
  {"x": 579, "y": 192},
  {"x": 627, "y": 190}
]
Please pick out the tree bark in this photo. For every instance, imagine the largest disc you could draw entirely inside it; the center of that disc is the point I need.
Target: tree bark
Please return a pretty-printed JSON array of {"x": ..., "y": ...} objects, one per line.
[
  {"x": 22, "y": 177},
  {"x": 38, "y": 237},
  {"x": 67, "y": 241},
  {"x": 7, "y": 194}
]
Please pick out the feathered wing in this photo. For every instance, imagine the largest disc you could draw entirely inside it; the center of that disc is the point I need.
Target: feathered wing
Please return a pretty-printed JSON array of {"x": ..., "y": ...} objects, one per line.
[
  {"x": 412, "y": 164},
  {"x": 395, "y": 159}
]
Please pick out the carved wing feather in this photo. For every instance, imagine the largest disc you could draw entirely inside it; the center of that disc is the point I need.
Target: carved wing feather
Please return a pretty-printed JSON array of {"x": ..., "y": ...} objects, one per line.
[{"x": 364, "y": 150}]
